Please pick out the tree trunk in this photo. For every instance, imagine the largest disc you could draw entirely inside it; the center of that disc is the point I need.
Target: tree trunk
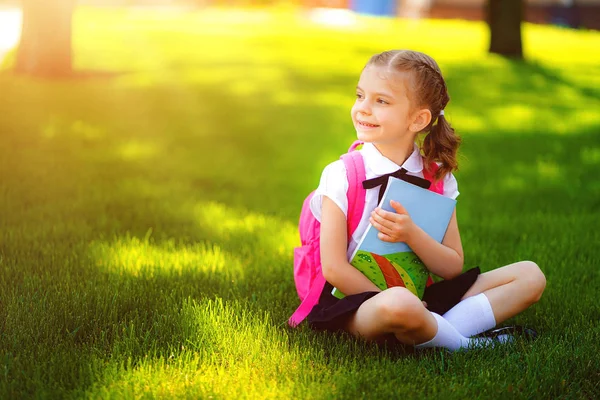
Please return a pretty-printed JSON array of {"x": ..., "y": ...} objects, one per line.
[
  {"x": 504, "y": 19},
  {"x": 45, "y": 46}
]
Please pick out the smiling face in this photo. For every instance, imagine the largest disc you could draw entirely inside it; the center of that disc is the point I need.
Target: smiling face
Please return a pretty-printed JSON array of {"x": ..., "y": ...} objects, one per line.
[{"x": 382, "y": 113}]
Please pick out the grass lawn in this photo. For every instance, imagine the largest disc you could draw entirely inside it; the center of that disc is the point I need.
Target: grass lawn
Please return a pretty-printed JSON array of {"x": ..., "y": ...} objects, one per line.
[{"x": 149, "y": 208}]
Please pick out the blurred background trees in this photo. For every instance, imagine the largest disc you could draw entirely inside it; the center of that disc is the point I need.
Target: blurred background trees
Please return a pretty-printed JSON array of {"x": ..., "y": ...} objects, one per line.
[
  {"x": 45, "y": 47},
  {"x": 504, "y": 18}
]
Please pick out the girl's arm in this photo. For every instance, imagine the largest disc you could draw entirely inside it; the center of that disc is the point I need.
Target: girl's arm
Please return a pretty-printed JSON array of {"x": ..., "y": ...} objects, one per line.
[
  {"x": 334, "y": 242},
  {"x": 443, "y": 259}
]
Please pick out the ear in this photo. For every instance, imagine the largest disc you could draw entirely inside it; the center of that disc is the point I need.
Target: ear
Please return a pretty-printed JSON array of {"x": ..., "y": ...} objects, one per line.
[{"x": 421, "y": 118}]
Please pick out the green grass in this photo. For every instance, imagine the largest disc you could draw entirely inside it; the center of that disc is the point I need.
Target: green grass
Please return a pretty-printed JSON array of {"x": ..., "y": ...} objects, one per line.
[{"x": 149, "y": 208}]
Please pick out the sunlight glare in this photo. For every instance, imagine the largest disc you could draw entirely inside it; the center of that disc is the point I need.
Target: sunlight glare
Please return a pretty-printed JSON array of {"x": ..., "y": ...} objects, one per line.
[
  {"x": 334, "y": 17},
  {"x": 227, "y": 221},
  {"x": 590, "y": 155},
  {"x": 10, "y": 29},
  {"x": 548, "y": 170},
  {"x": 512, "y": 182},
  {"x": 219, "y": 334},
  {"x": 144, "y": 258},
  {"x": 136, "y": 150}
]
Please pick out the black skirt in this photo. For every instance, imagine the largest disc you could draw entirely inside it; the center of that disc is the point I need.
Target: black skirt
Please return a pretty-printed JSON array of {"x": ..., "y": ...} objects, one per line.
[{"x": 331, "y": 313}]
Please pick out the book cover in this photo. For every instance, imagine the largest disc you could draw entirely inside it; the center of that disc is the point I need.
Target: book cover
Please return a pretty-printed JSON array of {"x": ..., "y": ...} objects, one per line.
[{"x": 395, "y": 264}]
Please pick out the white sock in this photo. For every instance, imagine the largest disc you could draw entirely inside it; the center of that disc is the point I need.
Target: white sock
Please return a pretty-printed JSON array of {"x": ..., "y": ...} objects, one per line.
[
  {"x": 447, "y": 336},
  {"x": 471, "y": 316}
]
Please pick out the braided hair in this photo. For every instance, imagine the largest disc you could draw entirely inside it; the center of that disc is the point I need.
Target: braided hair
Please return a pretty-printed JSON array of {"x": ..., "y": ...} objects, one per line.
[{"x": 427, "y": 89}]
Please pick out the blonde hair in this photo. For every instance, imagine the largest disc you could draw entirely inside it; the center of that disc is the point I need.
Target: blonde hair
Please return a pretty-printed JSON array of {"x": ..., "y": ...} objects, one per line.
[{"x": 427, "y": 89}]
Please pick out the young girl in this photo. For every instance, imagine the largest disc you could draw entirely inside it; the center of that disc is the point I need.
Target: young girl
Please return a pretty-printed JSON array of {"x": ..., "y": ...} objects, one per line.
[{"x": 401, "y": 95}]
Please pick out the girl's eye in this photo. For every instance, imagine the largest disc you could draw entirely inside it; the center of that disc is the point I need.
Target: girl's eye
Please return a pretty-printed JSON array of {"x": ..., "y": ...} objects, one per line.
[
  {"x": 381, "y": 101},
  {"x": 359, "y": 96}
]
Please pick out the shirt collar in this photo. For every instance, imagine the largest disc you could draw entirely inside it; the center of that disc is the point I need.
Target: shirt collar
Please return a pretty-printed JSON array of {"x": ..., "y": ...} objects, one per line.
[{"x": 381, "y": 165}]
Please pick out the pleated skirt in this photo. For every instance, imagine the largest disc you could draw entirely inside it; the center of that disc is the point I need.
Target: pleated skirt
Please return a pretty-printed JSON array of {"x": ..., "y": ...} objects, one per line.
[{"x": 332, "y": 314}]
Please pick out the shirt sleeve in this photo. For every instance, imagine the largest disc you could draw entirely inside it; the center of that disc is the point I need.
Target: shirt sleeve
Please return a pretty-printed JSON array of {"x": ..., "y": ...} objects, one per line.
[
  {"x": 450, "y": 186},
  {"x": 333, "y": 184}
]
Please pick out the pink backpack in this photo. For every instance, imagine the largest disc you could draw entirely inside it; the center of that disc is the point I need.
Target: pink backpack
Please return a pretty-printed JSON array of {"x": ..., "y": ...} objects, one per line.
[{"x": 307, "y": 258}]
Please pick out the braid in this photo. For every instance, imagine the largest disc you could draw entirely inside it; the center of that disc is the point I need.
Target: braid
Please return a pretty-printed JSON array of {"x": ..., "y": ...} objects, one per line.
[{"x": 445, "y": 98}]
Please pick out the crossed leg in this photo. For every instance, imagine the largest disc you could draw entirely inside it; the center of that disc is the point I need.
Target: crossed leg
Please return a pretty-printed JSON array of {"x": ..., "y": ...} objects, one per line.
[
  {"x": 510, "y": 290},
  {"x": 395, "y": 310}
]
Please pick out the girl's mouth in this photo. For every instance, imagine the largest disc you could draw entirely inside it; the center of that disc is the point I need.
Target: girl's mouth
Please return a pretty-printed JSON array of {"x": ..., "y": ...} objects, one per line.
[{"x": 366, "y": 124}]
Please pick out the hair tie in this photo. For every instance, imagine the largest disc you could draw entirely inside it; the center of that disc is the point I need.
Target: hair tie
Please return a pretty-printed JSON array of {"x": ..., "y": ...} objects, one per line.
[{"x": 441, "y": 113}]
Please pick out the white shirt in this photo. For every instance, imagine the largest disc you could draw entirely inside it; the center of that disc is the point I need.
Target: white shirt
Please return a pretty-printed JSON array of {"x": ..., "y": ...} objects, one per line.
[{"x": 334, "y": 184}]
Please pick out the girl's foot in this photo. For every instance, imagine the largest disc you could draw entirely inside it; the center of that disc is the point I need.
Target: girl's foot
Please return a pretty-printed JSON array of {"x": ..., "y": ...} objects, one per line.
[{"x": 516, "y": 330}]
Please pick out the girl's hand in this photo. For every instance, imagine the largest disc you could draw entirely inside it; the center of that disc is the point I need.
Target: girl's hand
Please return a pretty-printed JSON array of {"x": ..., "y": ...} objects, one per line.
[{"x": 392, "y": 226}]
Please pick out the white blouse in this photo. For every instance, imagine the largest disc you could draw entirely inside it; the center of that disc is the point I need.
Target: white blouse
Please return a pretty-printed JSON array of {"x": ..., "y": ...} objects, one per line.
[{"x": 334, "y": 184}]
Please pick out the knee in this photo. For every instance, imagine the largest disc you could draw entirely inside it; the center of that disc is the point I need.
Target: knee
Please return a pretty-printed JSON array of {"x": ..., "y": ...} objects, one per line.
[
  {"x": 533, "y": 279},
  {"x": 400, "y": 309}
]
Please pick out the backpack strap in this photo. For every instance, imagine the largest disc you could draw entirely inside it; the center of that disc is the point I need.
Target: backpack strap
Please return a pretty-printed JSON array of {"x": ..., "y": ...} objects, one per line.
[
  {"x": 355, "y": 173},
  {"x": 436, "y": 186},
  {"x": 354, "y": 145},
  {"x": 311, "y": 299}
]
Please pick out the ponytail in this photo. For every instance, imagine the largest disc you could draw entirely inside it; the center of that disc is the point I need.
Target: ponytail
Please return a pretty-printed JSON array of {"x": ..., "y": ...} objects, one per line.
[{"x": 441, "y": 145}]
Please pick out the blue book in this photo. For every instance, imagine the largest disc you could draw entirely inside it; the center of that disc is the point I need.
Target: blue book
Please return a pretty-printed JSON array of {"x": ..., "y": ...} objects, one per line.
[{"x": 395, "y": 264}]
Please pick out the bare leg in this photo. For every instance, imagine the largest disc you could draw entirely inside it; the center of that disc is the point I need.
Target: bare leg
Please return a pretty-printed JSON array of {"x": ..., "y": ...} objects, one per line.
[
  {"x": 395, "y": 310},
  {"x": 510, "y": 289}
]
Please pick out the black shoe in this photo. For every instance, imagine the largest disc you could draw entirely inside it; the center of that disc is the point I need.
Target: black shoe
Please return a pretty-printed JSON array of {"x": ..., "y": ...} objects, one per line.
[{"x": 515, "y": 330}]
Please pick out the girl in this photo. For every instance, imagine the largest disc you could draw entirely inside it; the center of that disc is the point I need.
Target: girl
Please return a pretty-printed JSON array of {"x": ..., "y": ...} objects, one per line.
[{"x": 400, "y": 95}]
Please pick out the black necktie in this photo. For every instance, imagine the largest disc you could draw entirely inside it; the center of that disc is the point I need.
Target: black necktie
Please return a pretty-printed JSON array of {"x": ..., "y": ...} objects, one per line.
[{"x": 400, "y": 174}]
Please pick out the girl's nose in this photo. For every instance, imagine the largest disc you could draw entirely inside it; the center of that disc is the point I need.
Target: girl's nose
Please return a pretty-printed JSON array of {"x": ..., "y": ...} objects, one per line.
[{"x": 364, "y": 107}]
